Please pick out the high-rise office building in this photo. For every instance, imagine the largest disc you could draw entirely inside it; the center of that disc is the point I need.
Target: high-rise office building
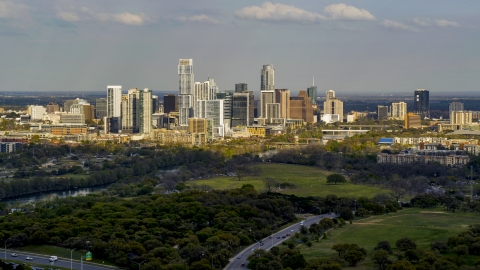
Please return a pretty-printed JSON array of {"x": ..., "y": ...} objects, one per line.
[
  {"x": 330, "y": 94},
  {"x": 227, "y": 97},
  {"x": 266, "y": 96},
  {"x": 36, "y": 112},
  {"x": 333, "y": 105},
  {"x": 100, "y": 108},
  {"x": 273, "y": 111},
  {"x": 170, "y": 103},
  {"x": 212, "y": 109},
  {"x": 186, "y": 91},
  {"x": 421, "y": 103},
  {"x": 382, "y": 112},
  {"x": 137, "y": 111},
  {"x": 202, "y": 91},
  {"x": 145, "y": 111},
  {"x": 282, "y": 97},
  {"x": 242, "y": 109},
  {"x": 267, "y": 80},
  {"x": 461, "y": 117},
  {"x": 114, "y": 100},
  {"x": 399, "y": 110},
  {"x": 312, "y": 93},
  {"x": 52, "y": 107},
  {"x": 68, "y": 103},
  {"x": 155, "y": 104},
  {"x": 301, "y": 108},
  {"x": 212, "y": 93},
  {"x": 241, "y": 87},
  {"x": 455, "y": 107}
]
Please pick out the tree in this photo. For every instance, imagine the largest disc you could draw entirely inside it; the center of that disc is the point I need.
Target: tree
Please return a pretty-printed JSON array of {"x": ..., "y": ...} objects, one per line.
[
  {"x": 380, "y": 258},
  {"x": 354, "y": 256},
  {"x": 336, "y": 178},
  {"x": 445, "y": 265},
  {"x": 39, "y": 237},
  {"x": 411, "y": 255},
  {"x": 346, "y": 213},
  {"x": 461, "y": 250},
  {"x": 405, "y": 244},
  {"x": 384, "y": 245},
  {"x": 401, "y": 265},
  {"x": 269, "y": 183}
]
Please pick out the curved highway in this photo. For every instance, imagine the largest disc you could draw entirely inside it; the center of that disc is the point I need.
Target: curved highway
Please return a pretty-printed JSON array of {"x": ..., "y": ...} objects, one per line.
[
  {"x": 271, "y": 241},
  {"x": 43, "y": 260}
]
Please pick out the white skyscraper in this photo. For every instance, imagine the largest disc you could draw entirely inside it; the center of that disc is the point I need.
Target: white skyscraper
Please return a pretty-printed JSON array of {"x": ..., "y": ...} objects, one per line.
[
  {"x": 202, "y": 92},
  {"x": 212, "y": 94},
  {"x": 267, "y": 78},
  {"x": 186, "y": 95},
  {"x": 114, "y": 100},
  {"x": 399, "y": 110}
]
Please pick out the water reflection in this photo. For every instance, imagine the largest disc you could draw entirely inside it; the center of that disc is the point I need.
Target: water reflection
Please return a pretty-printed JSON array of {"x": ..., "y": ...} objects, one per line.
[{"x": 53, "y": 194}]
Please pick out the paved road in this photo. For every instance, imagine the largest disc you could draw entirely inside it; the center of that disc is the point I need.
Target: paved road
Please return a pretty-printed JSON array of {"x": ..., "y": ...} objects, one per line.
[
  {"x": 271, "y": 241},
  {"x": 44, "y": 260}
]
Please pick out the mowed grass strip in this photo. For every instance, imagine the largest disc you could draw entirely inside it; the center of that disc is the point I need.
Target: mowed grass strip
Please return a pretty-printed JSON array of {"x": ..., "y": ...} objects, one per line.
[
  {"x": 309, "y": 181},
  {"x": 424, "y": 226}
]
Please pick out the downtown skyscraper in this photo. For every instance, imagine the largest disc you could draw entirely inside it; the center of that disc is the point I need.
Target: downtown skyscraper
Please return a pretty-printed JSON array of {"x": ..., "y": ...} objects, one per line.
[
  {"x": 267, "y": 78},
  {"x": 421, "y": 103},
  {"x": 186, "y": 91},
  {"x": 114, "y": 100}
]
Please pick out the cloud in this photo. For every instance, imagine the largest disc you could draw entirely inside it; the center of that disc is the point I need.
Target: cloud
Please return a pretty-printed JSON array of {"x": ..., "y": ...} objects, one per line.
[
  {"x": 397, "y": 26},
  {"x": 68, "y": 16},
  {"x": 202, "y": 18},
  {"x": 422, "y": 22},
  {"x": 125, "y": 18},
  {"x": 10, "y": 10},
  {"x": 445, "y": 23},
  {"x": 270, "y": 12},
  {"x": 85, "y": 14},
  {"x": 439, "y": 23},
  {"x": 345, "y": 12}
]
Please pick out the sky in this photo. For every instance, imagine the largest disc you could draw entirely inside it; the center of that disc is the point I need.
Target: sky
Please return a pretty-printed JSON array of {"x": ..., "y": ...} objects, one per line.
[{"x": 361, "y": 46}]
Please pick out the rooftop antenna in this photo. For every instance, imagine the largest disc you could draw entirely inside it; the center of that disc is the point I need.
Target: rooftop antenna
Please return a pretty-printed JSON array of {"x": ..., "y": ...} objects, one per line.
[{"x": 313, "y": 81}]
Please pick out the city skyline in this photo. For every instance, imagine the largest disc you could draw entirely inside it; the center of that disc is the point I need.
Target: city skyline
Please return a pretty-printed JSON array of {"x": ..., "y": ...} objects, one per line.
[{"x": 349, "y": 46}]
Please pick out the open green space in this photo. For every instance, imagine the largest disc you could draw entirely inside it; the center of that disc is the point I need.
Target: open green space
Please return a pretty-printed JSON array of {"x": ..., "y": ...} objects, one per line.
[
  {"x": 58, "y": 251},
  {"x": 309, "y": 181},
  {"x": 424, "y": 226}
]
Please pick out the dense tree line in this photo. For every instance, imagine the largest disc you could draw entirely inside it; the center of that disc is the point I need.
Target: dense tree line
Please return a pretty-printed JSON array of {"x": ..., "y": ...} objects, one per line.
[
  {"x": 167, "y": 231},
  {"x": 133, "y": 165}
]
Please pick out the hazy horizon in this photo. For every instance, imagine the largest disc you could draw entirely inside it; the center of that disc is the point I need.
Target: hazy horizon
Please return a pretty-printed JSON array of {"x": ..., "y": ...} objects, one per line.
[{"x": 349, "y": 46}]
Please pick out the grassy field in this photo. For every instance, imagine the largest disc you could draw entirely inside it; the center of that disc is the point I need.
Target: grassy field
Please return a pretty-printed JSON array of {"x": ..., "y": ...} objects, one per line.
[
  {"x": 421, "y": 225},
  {"x": 59, "y": 251},
  {"x": 309, "y": 181}
]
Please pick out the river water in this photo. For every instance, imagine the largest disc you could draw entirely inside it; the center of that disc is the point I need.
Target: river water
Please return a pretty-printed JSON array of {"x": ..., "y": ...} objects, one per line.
[
  {"x": 53, "y": 194},
  {"x": 84, "y": 191}
]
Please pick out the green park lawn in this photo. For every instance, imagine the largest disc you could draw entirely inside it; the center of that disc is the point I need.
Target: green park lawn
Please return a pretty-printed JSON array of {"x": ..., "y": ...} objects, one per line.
[
  {"x": 309, "y": 181},
  {"x": 421, "y": 225}
]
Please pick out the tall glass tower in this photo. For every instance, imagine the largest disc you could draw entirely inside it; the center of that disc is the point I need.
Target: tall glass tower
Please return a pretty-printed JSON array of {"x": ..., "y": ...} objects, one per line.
[
  {"x": 267, "y": 78},
  {"x": 186, "y": 91},
  {"x": 421, "y": 103}
]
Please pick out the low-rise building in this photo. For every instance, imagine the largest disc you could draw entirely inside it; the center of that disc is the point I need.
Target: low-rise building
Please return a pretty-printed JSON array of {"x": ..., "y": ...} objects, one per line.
[{"x": 443, "y": 157}]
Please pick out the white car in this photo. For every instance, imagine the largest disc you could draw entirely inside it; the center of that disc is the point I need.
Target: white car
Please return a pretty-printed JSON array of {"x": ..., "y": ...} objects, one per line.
[
  {"x": 53, "y": 258},
  {"x": 14, "y": 254},
  {"x": 28, "y": 258}
]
